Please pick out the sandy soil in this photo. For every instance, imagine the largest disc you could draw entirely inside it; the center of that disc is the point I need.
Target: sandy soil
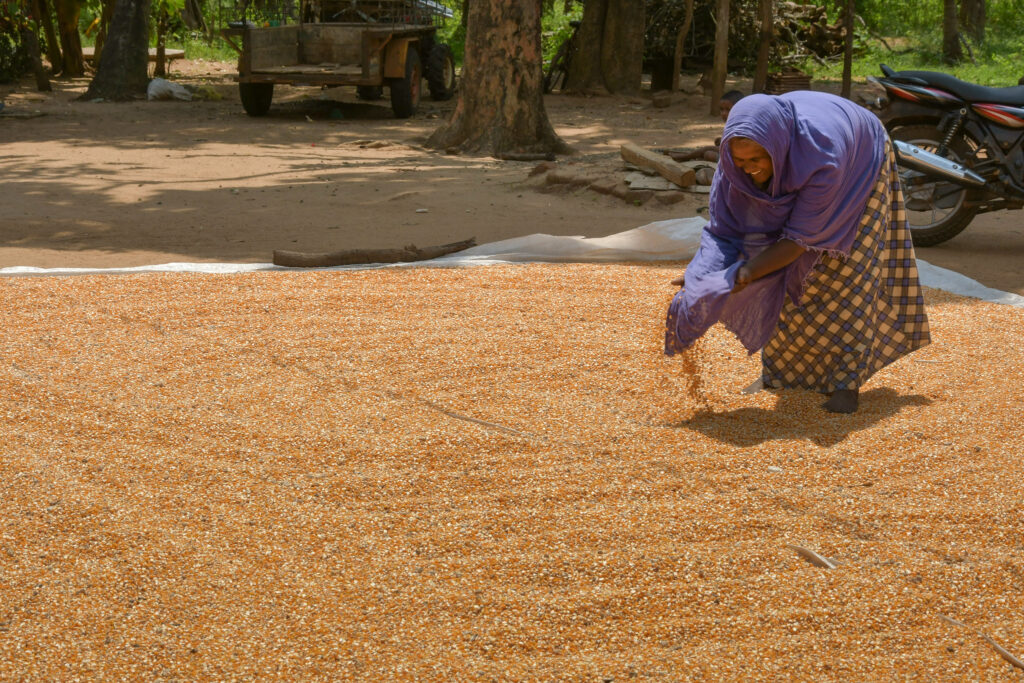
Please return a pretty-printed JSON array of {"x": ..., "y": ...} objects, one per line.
[{"x": 88, "y": 184}]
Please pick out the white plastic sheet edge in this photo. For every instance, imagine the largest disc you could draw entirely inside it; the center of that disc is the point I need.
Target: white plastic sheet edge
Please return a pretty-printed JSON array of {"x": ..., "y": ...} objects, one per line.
[{"x": 670, "y": 240}]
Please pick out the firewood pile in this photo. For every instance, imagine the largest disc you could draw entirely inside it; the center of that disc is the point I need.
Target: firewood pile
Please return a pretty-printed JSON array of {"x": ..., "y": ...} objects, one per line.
[{"x": 802, "y": 30}]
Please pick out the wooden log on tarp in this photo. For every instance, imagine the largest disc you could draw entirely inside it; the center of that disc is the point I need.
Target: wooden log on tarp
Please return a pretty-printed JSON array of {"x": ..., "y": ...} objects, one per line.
[
  {"x": 351, "y": 257},
  {"x": 659, "y": 163}
]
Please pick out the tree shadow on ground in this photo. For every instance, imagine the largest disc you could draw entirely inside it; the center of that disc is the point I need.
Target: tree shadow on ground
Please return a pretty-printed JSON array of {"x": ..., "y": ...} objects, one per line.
[{"x": 798, "y": 415}]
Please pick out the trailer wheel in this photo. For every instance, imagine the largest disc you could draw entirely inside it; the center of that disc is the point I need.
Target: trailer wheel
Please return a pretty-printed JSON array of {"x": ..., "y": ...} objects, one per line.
[
  {"x": 441, "y": 72},
  {"x": 405, "y": 92},
  {"x": 256, "y": 97}
]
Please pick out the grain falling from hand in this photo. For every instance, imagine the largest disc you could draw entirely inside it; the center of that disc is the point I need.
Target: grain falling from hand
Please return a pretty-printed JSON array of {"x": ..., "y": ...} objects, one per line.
[{"x": 693, "y": 361}]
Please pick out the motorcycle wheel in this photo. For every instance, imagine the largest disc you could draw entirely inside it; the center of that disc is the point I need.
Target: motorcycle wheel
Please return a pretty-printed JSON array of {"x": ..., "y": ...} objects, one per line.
[{"x": 936, "y": 211}]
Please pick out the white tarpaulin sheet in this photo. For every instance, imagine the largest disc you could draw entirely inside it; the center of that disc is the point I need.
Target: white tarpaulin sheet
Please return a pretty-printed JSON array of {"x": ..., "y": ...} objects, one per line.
[{"x": 671, "y": 240}]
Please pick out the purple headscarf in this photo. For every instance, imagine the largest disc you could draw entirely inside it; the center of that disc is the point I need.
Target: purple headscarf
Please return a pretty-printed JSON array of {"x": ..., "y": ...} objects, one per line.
[{"x": 826, "y": 153}]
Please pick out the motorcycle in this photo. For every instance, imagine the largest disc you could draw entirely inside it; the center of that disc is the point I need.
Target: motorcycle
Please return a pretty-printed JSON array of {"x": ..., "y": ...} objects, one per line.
[{"x": 959, "y": 146}]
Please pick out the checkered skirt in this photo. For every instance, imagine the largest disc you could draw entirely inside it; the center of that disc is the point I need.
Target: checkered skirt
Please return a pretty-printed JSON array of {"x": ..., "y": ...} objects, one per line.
[{"x": 858, "y": 313}]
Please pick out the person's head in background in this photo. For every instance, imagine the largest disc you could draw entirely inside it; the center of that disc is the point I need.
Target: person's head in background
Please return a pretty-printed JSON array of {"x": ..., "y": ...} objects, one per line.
[{"x": 728, "y": 99}]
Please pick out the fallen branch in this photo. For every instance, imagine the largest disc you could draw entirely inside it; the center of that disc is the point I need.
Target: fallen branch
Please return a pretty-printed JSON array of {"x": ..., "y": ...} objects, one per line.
[
  {"x": 349, "y": 257},
  {"x": 970, "y": 52}
]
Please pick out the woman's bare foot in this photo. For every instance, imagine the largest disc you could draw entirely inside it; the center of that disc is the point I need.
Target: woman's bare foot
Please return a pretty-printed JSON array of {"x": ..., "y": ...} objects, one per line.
[{"x": 843, "y": 401}]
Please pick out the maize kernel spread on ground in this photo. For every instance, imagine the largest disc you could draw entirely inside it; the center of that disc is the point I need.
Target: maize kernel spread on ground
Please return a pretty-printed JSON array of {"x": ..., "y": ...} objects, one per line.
[{"x": 488, "y": 474}]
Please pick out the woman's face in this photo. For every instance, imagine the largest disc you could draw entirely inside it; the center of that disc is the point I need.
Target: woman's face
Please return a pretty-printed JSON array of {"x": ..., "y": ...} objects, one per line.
[{"x": 752, "y": 159}]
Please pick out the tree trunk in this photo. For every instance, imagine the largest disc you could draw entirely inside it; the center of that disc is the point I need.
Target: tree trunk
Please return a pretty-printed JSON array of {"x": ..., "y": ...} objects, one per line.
[
  {"x": 31, "y": 42},
  {"x": 610, "y": 55},
  {"x": 101, "y": 36},
  {"x": 720, "y": 68},
  {"x": 41, "y": 9},
  {"x": 973, "y": 18},
  {"x": 124, "y": 64},
  {"x": 677, "y": 57},
  {"x": 622, "y": 46},
  {"x": 848, "y": 14},
  {"x": 951, "y": 50},
  {"x": 764, "y": 46},
  {"x": 585, "y": 70},
  {"x": 160, "y": 68},
  {"x": 501, "y": 94},
  {"x": 70, "y": 42}
]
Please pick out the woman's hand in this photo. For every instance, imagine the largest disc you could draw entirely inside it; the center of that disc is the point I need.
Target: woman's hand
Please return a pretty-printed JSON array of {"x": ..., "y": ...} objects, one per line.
[
  {"x": 743, "y": 278},
  {"x": 679, "y": 281},
  {"x": 776, "y": 257}
]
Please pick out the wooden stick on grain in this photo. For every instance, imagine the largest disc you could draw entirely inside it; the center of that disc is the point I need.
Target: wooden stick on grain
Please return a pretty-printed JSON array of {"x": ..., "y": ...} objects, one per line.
[
  {"x": 348, "y": 257},
  {"x": 475, "y": 420},
  {"x": 1003, "y": 652},
  {"x": 813, "y": 557}
]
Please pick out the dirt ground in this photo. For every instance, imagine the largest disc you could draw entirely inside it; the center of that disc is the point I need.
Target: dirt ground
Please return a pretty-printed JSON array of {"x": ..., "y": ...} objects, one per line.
[{"x": 99, "y": 184}]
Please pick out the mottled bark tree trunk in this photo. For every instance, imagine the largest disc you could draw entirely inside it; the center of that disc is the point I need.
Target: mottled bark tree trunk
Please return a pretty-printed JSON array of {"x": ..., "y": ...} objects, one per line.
[
  {"x": 501, "y": 93},
  {"x": 124, "y": 64},
  {"x": 720, "y": 68},
  {"x": 611, "y": 51},
  {"x": 70, "y": 41},
  {"x": 951, "y": 50}
]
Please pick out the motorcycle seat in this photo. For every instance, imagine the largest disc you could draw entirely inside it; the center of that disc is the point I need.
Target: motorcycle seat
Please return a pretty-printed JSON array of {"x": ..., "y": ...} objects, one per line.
[{"x": 971, "y": 92}]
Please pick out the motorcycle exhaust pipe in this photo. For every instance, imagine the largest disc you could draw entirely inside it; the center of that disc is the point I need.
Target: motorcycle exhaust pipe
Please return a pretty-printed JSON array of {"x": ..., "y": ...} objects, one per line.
[{"x": 913, "y": 157}]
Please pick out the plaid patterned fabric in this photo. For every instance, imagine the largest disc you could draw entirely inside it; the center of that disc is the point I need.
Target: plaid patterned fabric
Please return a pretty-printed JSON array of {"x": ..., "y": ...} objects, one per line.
[{"x": 858, "y": 314}]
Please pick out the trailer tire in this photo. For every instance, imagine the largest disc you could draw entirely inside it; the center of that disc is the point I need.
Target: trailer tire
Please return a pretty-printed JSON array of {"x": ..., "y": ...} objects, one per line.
[
  {"x": 405, "y": 92},
  {"x": 256, "y": 97},
  {"x": 440, "y": 72}
]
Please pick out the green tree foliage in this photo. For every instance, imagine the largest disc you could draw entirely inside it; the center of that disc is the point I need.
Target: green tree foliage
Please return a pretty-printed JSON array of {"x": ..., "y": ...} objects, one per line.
[
  {"x": 14, "y": 58},
  {"x": 555, "y": 27},
  {"x": 922, "y": 22}
]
